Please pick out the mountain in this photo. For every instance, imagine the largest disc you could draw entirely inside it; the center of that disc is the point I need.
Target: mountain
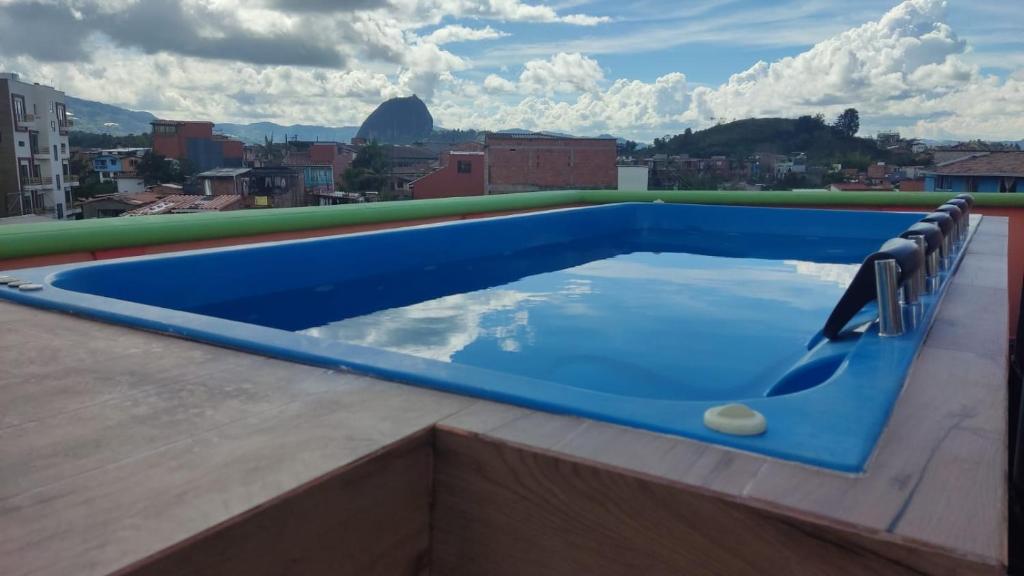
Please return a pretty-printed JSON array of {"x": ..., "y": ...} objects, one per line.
[
  {"x": 100, "y": 118},
  {"x": 398, "y": 121},
  {"x": 254, "y": 133},
  {"x": 742, "y": 138}
]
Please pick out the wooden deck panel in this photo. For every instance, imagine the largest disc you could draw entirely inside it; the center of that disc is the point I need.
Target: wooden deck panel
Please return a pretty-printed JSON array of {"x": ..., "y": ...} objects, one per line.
[
  {"x": 369, "y": 518},
  {"x": 503, "y": 509},
  {"x": 126, "y": 465}
]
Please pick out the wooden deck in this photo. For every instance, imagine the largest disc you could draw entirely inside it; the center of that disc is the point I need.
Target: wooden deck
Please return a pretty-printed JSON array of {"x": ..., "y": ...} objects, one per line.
[{"x": 129, "y": 452}]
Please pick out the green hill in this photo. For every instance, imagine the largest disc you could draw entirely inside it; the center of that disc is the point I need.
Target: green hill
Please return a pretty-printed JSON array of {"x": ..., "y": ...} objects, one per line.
[
  {"x": 100, "y": 118},
  {"x": 743, "y": 138}
]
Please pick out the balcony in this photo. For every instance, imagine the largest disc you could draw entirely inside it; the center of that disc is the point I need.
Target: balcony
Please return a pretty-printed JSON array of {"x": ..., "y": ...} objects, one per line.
[
  {"x": 64, "y": 126},
  {"x": 36, "y": 181},
  {"x": 24, "y": 121}
]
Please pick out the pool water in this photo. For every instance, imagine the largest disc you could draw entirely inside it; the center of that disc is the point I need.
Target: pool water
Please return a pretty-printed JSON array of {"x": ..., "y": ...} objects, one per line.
[
  {"x": 608, "y": 314},
  {"x": 624, "y": 324}
]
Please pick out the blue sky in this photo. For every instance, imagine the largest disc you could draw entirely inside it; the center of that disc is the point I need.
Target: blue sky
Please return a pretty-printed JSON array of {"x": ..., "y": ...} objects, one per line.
[{"x": 930, "y": 68}]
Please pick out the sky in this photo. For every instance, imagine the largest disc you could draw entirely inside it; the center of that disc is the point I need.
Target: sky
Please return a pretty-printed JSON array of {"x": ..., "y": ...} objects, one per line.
[{"x": 637, "y": 69}]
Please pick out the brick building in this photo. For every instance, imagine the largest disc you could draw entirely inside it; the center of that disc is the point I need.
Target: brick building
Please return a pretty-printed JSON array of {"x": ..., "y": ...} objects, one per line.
[
  {"x": 461, "y": 174},
  {"x": 338, "y": 156},
  {"x": 527, "y": 161},
  {"x": 195, "y": 142}
]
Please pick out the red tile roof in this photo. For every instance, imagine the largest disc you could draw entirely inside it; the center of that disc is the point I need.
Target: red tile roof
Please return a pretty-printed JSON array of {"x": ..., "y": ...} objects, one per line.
[{"x": 984, "y": 164}]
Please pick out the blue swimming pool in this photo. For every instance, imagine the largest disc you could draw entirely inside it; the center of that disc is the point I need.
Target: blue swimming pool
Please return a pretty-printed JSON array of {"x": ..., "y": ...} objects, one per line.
[{"x": 639, "y": 314}]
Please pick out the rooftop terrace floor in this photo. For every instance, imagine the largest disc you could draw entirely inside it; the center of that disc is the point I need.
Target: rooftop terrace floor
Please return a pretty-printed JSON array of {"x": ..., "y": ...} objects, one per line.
[{"x": 125, "y": 451}]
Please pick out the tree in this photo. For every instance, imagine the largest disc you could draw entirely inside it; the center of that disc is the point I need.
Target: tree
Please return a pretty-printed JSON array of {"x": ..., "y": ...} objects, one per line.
[
  {"x": 848, "y": 123},
  {"x": 156, "y": 169},
  {"x": 368, "y": 170}
]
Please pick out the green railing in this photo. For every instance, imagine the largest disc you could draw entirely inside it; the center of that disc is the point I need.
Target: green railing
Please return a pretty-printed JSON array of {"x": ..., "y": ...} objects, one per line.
[{"x": 22, "y": 240}]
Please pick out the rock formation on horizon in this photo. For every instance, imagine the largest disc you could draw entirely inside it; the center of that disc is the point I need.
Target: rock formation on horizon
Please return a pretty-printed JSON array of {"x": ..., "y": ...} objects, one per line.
[{"x": 398, "y": 121}]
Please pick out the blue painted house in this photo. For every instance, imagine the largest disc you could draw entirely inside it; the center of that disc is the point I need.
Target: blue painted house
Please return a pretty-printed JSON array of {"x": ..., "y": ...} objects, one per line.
[{"x": 978, "y": 172}]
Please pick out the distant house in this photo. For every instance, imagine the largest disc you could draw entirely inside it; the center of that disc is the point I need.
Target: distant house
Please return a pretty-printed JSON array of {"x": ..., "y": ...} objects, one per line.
[
  {"x": 911, "y": 185},
  {"x": 462, "y": 174},
  {"x": 338, "y": 156},
  {"x": 316, "y": 178},
  {"x": 113, "y": 205},
  {"x": 276, "y": 187},
  {"x": 224, "y": 181},
  {"x": 877, "y": 172},
  {"x": 979, "y": 172},
  {"x": 121, "y": 166}
]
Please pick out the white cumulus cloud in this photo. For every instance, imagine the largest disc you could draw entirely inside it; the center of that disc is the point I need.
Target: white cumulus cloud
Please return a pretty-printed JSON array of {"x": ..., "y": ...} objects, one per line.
[{"x": 457, "y": 33}]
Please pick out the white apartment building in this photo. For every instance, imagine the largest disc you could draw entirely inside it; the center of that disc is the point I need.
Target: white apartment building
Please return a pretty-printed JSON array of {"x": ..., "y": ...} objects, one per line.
[{"x": 34, "y": 152}]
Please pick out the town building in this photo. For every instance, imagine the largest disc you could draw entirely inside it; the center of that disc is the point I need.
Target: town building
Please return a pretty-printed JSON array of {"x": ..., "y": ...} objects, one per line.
[
  {"x": 316, "y": 163},
  {"x": 195, "y": 143},
  {"x": 527, "y": 161},
  {"x": 877, "y": 172},
  {"x": 34, "y": 155},
  {"x": 461, "y": 174},
  {"x": 633, "y": 178},
  {"x": 978, "y": 172},
  {"x": 276, "y": 187},
  {"x": 406, "y": 164},
  {"x": 113, "y": 205},
  {"x": 120, "y": 165},
  {"x": 797, "y": 164},
  {"x": 337, "y": 155},
  {"x": 221, "y": 181}
]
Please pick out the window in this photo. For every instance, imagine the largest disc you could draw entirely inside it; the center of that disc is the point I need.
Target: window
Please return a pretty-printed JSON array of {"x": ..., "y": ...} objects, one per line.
[
  {"x": 464, "y": 167},
  {"x": 165, "y": 129},
  {"x": 18, "y": 102},
  {"x": 21, "y": 143},
  {"x": 55, "y": 155},
  {"x": 63, "y": 148},
  {"x": 33, "y": 141},
  {"x": 53, "y": 125},
  {"x": 62, "y": 117}
]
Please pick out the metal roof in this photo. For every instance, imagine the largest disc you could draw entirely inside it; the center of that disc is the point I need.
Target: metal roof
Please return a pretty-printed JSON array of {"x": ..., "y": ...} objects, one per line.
[{"x": 223, "y": 172}]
